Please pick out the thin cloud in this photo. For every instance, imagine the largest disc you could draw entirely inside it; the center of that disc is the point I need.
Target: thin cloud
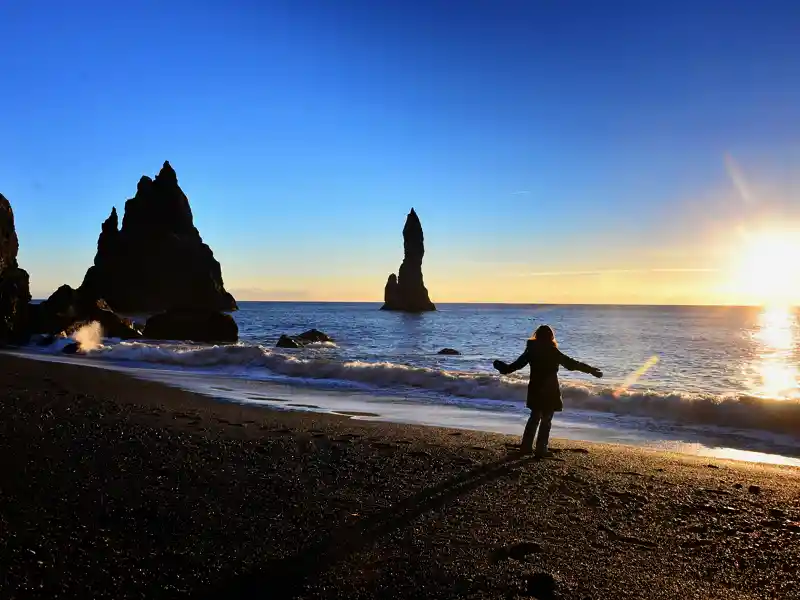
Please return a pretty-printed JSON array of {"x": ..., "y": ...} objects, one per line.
[
  {"x": 684, "y": 270},
  {"x": 613, "y": 272},
  {"x": 574, "y": 273},
  {"x": 521, "y": 193}
]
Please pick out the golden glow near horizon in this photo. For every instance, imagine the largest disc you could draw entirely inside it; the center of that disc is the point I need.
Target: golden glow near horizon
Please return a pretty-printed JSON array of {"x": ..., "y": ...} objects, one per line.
[
  {"x": 758, "y": 268},
  {"x": 757, "y": 272}
]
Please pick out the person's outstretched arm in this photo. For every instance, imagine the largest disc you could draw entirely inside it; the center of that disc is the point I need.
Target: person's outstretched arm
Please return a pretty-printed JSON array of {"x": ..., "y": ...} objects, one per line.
[
  {"x": 505, "y": 369},
  {"x": 575, "y": 365}
]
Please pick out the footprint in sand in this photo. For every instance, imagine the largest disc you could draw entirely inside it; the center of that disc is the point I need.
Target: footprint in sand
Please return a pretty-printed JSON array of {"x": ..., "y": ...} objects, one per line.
[
  {"x": 480, "y": 448},
  {"x": 455, "y": 434},
  {"x": 519, "y": 551}
]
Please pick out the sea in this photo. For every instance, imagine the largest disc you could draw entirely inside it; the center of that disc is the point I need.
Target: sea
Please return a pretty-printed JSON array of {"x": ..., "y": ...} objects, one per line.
[{"x": 715, "y": 381}]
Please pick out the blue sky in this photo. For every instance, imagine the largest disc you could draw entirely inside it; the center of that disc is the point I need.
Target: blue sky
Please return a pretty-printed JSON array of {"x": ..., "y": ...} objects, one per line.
[{"x": 532, "y": 137}]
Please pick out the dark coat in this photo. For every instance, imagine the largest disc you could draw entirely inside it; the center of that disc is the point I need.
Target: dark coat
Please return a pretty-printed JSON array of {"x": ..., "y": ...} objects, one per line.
[{"x": 544, "y": 391}]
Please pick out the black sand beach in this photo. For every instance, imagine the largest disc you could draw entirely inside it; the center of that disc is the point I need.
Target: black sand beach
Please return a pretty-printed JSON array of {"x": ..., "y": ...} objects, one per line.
[{"x": 112, "y": 487}]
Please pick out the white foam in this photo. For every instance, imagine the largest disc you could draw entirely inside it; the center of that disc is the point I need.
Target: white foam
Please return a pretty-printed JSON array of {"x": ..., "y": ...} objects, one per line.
[{"x": 779, "y": 416}]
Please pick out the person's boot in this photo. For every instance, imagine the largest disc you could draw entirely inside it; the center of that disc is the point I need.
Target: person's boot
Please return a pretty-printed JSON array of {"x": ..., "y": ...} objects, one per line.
[
  {"x": 521, "y": 450},
  {"x": 543, "y": 453}
]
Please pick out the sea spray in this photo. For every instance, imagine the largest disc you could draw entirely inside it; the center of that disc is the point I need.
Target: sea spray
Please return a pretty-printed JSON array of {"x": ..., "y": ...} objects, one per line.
[{"x": 89, "y": 337}]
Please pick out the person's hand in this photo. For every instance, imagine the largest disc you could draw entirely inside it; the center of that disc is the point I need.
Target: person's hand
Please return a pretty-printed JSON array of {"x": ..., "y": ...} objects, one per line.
[
  {"x": 501, "y": 366},
  {"x": 597, "y": 373}
]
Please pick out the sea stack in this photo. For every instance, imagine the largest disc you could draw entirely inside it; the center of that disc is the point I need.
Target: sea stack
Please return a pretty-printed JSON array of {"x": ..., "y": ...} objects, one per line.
[
  {"x": 157, "y": 260},
  {"x": 14, "y": 283},
  {"x": 406, "y": 290}
]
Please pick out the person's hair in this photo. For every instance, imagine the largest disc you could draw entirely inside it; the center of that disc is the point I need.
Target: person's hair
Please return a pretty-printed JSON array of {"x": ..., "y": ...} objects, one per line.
[{"x": 544, "y": 334}]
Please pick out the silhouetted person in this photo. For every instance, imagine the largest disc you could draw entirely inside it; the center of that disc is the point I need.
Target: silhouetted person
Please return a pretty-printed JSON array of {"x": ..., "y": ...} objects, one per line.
[{"x": 544, "y": 391}]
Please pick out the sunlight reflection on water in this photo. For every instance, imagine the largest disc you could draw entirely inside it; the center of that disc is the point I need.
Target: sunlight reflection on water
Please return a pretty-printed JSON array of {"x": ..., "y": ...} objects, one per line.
[{"x": 773, "y": 372}]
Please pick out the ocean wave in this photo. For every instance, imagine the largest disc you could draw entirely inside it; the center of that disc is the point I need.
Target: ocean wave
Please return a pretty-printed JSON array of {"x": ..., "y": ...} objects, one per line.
[{"x": 741, "y": 412}]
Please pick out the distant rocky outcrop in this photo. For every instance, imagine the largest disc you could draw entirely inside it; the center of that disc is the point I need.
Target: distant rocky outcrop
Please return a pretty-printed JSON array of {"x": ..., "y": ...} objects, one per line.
[
  {"x": 157, "y": 260},
  {"x": 287, "y": 341},
  {"x": 307, "y": 337},
  {"x": 192, "y": 324},
  {"x": 14, "y": 282},
  {"x": 406, "y": 290},
  {"x": 449, "y": 352},
  {"x": 67, "y": 310}
]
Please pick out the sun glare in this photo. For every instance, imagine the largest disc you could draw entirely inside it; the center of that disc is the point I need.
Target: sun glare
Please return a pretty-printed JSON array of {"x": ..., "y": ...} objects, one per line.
[
  {"x": 768, "y": 269},
  {"x": 773, "y": 372}
]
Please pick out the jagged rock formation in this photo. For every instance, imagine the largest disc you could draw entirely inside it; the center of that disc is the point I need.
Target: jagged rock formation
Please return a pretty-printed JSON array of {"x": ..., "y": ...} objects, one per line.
[
  {"x": 14, "y": 282},
  {"x": 406, "y": 290},
  {"x": 195, "y": 325},
  {"x": 66, "y": 311},
  {"x": 303, "y": 339},
  {"x": 157, "y": 261}
]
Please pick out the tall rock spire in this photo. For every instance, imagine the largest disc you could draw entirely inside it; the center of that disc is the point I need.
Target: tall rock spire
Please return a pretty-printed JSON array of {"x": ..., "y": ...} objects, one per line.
[{"x": 406, "y": 290}]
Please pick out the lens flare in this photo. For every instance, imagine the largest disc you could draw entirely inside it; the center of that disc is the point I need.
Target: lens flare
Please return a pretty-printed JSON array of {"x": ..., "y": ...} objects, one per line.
[{"x": 636, "y": 375}]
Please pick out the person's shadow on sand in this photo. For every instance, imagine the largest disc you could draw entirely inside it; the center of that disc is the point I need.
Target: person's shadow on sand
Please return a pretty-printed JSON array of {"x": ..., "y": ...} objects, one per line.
[{"x": 285, "y": 578}]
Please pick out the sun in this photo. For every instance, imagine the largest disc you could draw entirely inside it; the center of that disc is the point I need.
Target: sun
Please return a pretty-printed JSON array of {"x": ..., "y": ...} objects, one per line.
[{"x": 767, "y": 270}]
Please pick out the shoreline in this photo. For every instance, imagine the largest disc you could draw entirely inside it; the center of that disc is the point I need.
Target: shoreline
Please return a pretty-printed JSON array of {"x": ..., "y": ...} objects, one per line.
[
  {"x": 573, "y": 424},
  {"x": 118, "y": 487}
]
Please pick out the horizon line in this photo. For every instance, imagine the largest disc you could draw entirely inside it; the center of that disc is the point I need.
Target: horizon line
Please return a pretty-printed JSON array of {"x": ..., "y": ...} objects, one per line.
[
  {"x": 490, "y": 303},
  {"x": 485, "y": 303}
]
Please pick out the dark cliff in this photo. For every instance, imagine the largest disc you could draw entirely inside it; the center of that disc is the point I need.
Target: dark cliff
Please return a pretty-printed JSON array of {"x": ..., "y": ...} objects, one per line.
[{"x": 14, "y": 283}]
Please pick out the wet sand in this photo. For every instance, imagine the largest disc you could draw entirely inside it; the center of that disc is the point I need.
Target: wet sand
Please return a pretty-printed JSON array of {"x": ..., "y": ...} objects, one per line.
[{"x": 112, "y": 487}]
